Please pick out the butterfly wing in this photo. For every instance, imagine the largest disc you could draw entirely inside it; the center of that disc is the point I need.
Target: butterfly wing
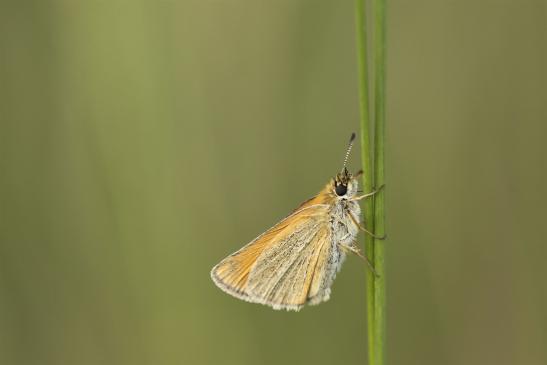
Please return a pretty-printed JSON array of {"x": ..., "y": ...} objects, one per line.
[
  {"x": 232, "y": 273},
  {"x": 297, "y": 270},
  {"x": 287, "y": 265}
]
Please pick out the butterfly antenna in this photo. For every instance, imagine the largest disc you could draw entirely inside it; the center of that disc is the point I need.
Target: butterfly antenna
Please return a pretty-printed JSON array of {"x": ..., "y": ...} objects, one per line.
[{"x": 352, "y": 138}]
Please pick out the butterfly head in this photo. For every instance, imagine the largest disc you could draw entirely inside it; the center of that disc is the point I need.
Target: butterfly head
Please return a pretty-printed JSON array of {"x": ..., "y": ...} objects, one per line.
[{"x": 344, "y": 185}]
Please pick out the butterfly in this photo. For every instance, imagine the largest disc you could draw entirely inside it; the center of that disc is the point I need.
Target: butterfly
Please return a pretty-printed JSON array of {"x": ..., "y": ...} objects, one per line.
[{"x": 295, "y": 262}]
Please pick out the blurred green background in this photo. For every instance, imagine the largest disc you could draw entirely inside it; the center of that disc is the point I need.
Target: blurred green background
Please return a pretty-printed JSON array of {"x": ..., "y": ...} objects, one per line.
[{"x": 141, "y": 142}]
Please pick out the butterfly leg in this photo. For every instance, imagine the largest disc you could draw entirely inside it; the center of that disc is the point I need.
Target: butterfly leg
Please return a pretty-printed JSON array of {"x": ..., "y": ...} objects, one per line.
[
  {"x": 369, "y": 194},
  {"x": 357, "y": 252},
  {"x": 365, "y": 230}
]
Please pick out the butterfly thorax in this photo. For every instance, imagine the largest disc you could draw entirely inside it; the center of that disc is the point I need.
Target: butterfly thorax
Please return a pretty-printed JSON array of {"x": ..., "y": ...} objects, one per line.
[{"x": 345, "y": 212}]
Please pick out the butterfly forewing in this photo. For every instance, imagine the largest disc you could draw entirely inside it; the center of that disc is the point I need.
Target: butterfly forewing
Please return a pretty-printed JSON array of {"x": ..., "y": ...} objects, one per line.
[{"x": 287, "y": 265}]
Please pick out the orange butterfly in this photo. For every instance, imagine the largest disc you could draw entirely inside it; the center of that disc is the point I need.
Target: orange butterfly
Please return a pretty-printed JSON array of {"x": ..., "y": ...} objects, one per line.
[{"x": 295, "y": 262}]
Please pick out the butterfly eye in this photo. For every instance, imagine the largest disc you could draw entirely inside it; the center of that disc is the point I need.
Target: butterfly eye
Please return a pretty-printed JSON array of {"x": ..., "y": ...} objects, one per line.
[{"x": 341, "y": 189}]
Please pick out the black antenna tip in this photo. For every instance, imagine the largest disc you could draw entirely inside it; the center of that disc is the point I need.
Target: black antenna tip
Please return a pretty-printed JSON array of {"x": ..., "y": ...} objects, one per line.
[{"x": 350, "y": 144}]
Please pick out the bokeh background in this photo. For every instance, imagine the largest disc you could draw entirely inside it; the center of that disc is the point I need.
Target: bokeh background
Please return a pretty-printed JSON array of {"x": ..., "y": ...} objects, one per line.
[{"x": 141, "y": 142}]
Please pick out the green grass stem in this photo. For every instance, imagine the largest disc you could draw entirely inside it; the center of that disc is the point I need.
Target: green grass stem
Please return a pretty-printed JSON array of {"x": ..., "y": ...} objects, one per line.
[
  {"x": 379, "y": 209},
  {"x": 374, "y": 207},
  {"x": 362, "y": 59}
]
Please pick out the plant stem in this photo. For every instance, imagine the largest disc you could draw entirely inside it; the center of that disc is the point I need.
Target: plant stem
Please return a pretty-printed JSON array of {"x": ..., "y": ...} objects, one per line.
[
  {"x": 374, "y": 208},
  {"x": 379, "y": 214},
  {"x": 360, "y": 25}
]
